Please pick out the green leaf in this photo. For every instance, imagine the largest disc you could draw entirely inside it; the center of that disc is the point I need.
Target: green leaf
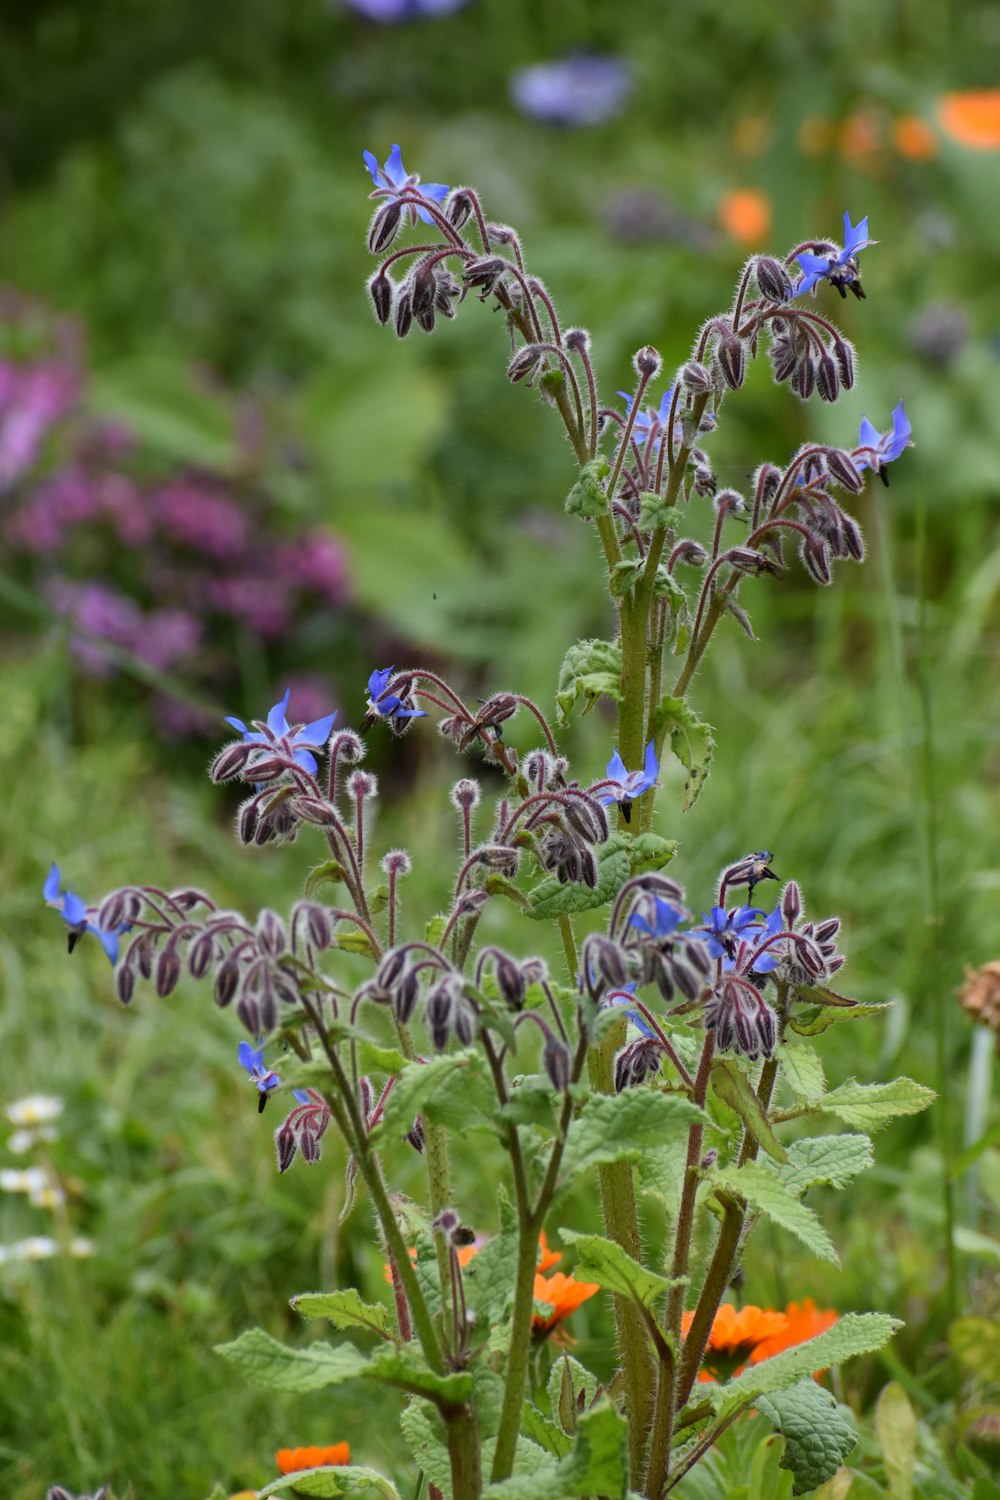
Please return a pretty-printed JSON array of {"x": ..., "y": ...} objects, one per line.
[
  {"x": 325, "y": 1483},
  {"x": 617, "y": 1127},
  {"x": 834, "y": 1160},
  {"x": 896, "y": 1427},
  {"x": 590, "y": 669},
  {"x": 596, "y": 1465},
  {"x": 279, "y": 1368},
  {"x": 606, "y": 1263},
  {"x": 818, "y": 1434},
  {"x": 810, "y": 1020},
  {"x": 543, "y": 1430},
  {"x": 424, "y": 1432},
  {"x": 654, "y": 512},
  {"x": 452, "y": 1089},
  {"x": 648, "y": 851},
  {"x": 660, "y": 1173},
  {"x": 373, "y": 1058},
  {"x": 567, "y": 1380},
  {"x": 549, "y": 898},
  {"x": 345, "y": 1309},
  {"x": 531, "y": 1102},
  {"x": 763, "y": 1190},
  {"x": 976, "y": 1342},
  {"x": 624, "y": 576},
  {"x": 854, "y": 1333},
  {"x": 733, "y": 1087},
  {"x": 489, "y": 1276},
  {"x": 404, "y": 1367},
  {"x": 588, "y": 498},
  {"x": 331, "y": 872},
  {"x": 872, "y": 1105},
  {"x": 803, "y": 1070},
  {"x": 691, "y": 740}
]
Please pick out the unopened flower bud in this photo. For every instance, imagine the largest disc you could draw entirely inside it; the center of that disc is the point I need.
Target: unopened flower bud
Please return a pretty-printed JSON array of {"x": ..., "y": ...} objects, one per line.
[
  {"x": 827, "y": 929},
  {"x": 285, "y": 1145},
  {"x": 363, "y": 784},
  {"x": 168, "y": 971},
  {"x": 404, "y": 313},
  {"x": 556, "y": 1061},
  {"x": 423, "y": 288},
  {"x": 465, "y": 794},
  {"x": 816, "y": 559},
  {"x": 415, "y": 1134},
  {"x": 384, "y": 226},
  {"x": 230, "y": 761},
  {"x": 525, "y": 362},
  {"x": 791, "y": 903},
  {"x": 827, "y": 379},
  {"x": 125, "y": 983},
  {"x": 380, "y": 291},
  {"x": 227, "y": 979},
  {"x": 510, "y": 981},
  {"x": 731, "y": 359},
  {"x": 310, "y": 1146},
  {"x": 772, "y": 278},
  {"x": 318, "y": 926},
  {"x": 248, "y": 1014},
  {"x": 396, "y": 862},
  {"x": 270, "y": 933},
  {"x": 843, "y": 353},
  {"x": 405, "y": 995},
  {"x": 577, "y": 340},
  {"x": 485, "y": 272},
  {"x": 803, "y": 381},
  {"x": 458, "y": 207},
  {"x": 647, "y": 362},
  {"x": 200, "y": 955},
  {"x": 695, "y": 377}
]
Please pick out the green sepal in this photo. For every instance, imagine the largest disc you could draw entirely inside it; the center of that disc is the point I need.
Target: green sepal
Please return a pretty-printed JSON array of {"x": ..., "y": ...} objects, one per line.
[
  {"x": 691, "y": 740},
  {"x": 331, "y": 872},
  {"x": 655, "y": 513},
  {"x": 588, "y": 498},
  {"x": 590, "y": 670}
]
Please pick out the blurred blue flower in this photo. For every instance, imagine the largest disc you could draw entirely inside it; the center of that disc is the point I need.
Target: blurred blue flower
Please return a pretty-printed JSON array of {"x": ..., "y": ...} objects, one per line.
[
  {"x": 258, "y": 1074},
  {"x": 389, "y": 11},
  {"x": 840, "y": 268},
  {"x": 723, "y": 930},
  {"x": 666, "y": 919},
  {"x": 315, "y": 734},
  {"x": 758, "y": 934},
  {"x": 73, "y": 911},
  {"x": 582, "y": 89},
  {"x": 388, "y": 705},
  {"x": 880, "y": 448},
  {"x": 622, "y": 997},
  {"x": 627, "y": 785},
  {"x": 649, "y": 417},
  {"x": 392, "y": 179}
]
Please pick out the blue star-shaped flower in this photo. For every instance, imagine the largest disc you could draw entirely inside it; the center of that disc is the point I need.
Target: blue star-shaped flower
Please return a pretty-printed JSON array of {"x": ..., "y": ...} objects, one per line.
[
  {"x": 73, "y": 911},
  {"x": 387, "y": 705},
  {"x": 880, "y": 448},
  {"x": 315, "y": 734},
  {"x": 392, "y": 179},
  {"x": 758, "y": 934},
  {"x": 649, "y": 417},
  {"x": 723, "y": 930},
  {"x": 264, "y": 1079},
  {"x": 624, "y": 786},
  {"x": 666, "y": 919},
  {"x": 839, "y": 267}
]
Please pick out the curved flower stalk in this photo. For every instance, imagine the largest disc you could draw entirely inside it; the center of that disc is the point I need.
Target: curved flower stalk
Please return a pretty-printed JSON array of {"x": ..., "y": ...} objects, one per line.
[{"x": 662, "y": 1031}]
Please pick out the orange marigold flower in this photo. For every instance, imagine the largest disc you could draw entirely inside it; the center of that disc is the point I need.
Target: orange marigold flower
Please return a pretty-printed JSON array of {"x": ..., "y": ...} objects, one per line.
[
  {"x": 972, "y": 118},
  {"x": 291, "y": 1460},
  {"x": 914, "y": 138},
  {"x": 736, "y": 1333},
  {"x": 745, "y": 214},
  {"x": 547, "y": 1258},
  {"x": 803, "y": 1320},
  {"x": 565, "y": 1295}
]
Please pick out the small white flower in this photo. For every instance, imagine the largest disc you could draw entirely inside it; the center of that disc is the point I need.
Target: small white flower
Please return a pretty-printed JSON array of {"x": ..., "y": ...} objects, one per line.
[
  {"x": 47, "y": 1197},
  {"x": 31, "y": 1180},
  {"x": 36, "y": 1247},
  {"x": 34, "y": 1109},
  {"x": 23, "y": 1141},
  {"x": 81, "y": 1247}
]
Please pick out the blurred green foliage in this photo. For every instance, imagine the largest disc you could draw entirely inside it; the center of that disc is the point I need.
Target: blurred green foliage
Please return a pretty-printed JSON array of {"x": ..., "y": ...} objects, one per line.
[{"x": 187, "y": 180}]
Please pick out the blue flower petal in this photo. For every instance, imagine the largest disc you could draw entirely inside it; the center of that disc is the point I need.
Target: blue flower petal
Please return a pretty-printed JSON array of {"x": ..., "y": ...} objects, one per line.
[
  {"x": 301, "y": 1096},
  {"x": 317, "y": 733},
  {"x": 371, "y": 162},
  {"x": 107, "y": 940},
  {"x": 394, "y": 169},
  {"x": 307, "y": 761},
  {"x": 616, "y": 768},
  {"x": 276, "y": 721},
  {"x": 249, "y": 1059},
  {"x": 50, "y": 890},
  {"x": 74, "y": 909},
  {"x": 238, "y": 724},
  {"x": 652, "y": 765}
]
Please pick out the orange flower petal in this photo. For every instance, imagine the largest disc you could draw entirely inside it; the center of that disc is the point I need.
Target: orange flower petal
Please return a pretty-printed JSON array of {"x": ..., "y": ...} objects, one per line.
[
  {"x": 972, "y": 118},
  {"x": 803, "y": 1320},
  {"x": 745, "y": 214},
  {"x": 914, "y": 138},
  {"x": 564, "y": 1293},
  {"x": 547, "y": 1258},
  {"x": 291, "y": 1460}
]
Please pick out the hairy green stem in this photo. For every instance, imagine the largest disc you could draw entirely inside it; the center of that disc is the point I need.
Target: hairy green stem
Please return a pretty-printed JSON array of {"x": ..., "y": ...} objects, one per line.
[{"x": 438, "y": 1181}]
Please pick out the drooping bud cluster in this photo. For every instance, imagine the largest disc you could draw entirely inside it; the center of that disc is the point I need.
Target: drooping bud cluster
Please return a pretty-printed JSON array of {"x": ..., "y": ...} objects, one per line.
[{"x": 302, "y": 1130}]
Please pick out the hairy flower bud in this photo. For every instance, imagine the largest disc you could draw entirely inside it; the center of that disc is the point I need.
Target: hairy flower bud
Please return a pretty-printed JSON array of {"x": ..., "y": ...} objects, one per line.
[
  {"x": 380, "y": 291},
  {"x": 694, "y": 376},
  {"x": 556, "y": 1061},
  {"x": 827, "y": 379},
  {"x": 270, "y": 933},
  {"x": 842, "y": 469},
  {"x": 816, "y": 559},
  {"x": 577, "y": 340},
  {"x": 647, "y": 362},
  {"x": 465, "y": 794},
  {"x": 125, "y": 983},
  {"x": 803, "y": 381},
  {"x": 524, "y": 363},
  {"x": 248, "y": 1014},
  {"x": 201, "y": 954},
  {"x": 227, "y": 980},
  {"x": 230, "y": 761},
  {"x": 309, "y": 1145},
  {"x": 843, "y": 353},
  {"x": 609, "y": 961},
  {"x": 285, "y": 1144},
  {"x": 404, "y": 312},
  {"x": 485, "y": 273},
  {"x": 791, "y": 903},
  {"x": 731, "y": 359},
  {"x": 510, "y": 981},
  {"x": 458, "y": 207},
  {"x": 405, "y": 996},
  {"x": 168, "y": 971},
  {"x": 384, "y": 226},
  {"x": 772, "y": 278}
]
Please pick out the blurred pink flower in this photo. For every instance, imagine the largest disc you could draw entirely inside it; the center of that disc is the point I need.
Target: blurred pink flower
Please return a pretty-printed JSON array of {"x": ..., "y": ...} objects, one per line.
[
  {"x": 194, "y": 513},
  {"x": 317, "y": 564},
  {"x": 33, "y": 397}
]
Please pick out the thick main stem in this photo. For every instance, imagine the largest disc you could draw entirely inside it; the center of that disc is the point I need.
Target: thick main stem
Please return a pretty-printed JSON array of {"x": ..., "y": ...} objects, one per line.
[{"x": 520, "y": 1349}]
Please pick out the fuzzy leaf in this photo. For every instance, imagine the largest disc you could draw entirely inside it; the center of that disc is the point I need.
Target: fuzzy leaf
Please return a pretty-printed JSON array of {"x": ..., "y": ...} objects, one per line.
[
  {"x": 654, "y": 512},
  {"x": 660, "y": 1173},
  {"x": 616, "y": 1127},
  {"x": 854, "y": 1333},
  {"x": 543, "y": 1430},
  {"x": 590, "y": 669},
  {"x": 551, "y": 899},
  {"x": 344, "y": 1309},
  {"x": 279, "y": 1368},
  {"x": 588, "y": 498},
  {"x": 763, "y": 1190},
  {"x": 452, "y": 1089},
  {"x": 803, "y": 1070},
  {"x": 818, "y": 1434},
  {"x": 567, "y": 1379},
  {"x": 691, "y": 740},
  {"x": 831, "y": 1159},
  {"x": 489, "y": 1276},
  {"x": 648, "y": 851},
  {"x": 596, "y": 1465},
  {"x": 326, "y": 1483},
  {"x": 733, "y": 1088},
  {"x": 810, "y": 1020},
  {"x": 402, "y": 1366},
  {"x": 606, "y": 1263},
  {"x": 331, "y": 872},
  {"x": 872, "y": 1105},
  {"x": 374, "y": 1058}
]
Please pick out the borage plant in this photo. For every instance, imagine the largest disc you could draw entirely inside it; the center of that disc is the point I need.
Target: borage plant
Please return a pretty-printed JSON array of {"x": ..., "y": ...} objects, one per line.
[{"x": 667, "y": 1054}]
